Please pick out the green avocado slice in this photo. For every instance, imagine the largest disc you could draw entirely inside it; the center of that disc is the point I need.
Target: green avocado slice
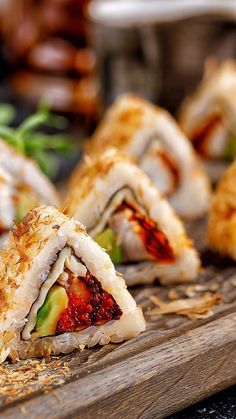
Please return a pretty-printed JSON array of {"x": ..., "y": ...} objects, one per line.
[
  {"x": 230, "y": 149},
  {"x": 108, "y": 241},
  {"x": 25, "y": 203},
  {"x": 49, "y": 314}
]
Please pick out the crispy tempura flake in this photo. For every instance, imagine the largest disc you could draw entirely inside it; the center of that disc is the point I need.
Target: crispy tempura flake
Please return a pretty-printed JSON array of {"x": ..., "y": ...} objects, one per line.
[
  {"x": 194, "y": 290},
  {"x": 29, "y": 376},
  {"x": 197, "y": 307},
  {"x": 172, "y": 294}
]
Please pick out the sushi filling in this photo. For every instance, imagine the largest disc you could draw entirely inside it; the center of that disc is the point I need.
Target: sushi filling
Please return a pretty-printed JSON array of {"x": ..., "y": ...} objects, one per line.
[
  {"x": 3, "y": 230},
  {"x": 15, "y": 202},
  {"x": 132, "y": 236},
  {"x": 212, "y": 139},
  {"x": 161, "y": 167},
  {"x": 25, "y": 200},
  {"x": 71, "y": 299},
  {"x": 88, "y": 305}
]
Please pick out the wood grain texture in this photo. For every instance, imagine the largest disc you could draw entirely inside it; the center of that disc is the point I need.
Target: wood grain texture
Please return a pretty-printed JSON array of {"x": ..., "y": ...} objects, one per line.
[{"x": 175, "y": 363}]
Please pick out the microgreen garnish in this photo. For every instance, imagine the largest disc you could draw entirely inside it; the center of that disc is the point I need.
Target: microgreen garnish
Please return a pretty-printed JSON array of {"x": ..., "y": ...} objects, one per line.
[{"x": 28, "y": 140}]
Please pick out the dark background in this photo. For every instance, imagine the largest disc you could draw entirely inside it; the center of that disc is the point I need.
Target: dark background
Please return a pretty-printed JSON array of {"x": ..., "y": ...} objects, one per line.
[{"x": 219, "y": 406}]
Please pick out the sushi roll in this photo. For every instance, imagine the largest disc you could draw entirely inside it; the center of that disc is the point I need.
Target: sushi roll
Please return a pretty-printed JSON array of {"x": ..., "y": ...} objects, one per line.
[
  {"x": 22, "y": 187},
  {"x": 124, "y": 212},
  {"x": 150, "y": 136},
  {"x": 59, "y": 290},
  {"x": 222, "y": 219},
  {"x": 208, "y": 118}
]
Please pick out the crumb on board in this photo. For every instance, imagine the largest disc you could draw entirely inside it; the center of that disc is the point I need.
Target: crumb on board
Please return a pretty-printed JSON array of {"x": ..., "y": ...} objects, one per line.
[
  {"x": 193, "y": 290},
  {"x": 194, "y": 308},
  {"x": 24, "y": 411},
  {"x": 172, "y": 294},
  {"x": 20, "y": 380},
  {"x": 56, "y": 395},
  {"x": 233, "y": 281}
]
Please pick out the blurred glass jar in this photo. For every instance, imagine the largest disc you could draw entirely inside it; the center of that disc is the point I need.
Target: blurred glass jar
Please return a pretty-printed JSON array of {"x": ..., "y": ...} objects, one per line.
[
  {"x": 128, "y": 60},
  {"x": 47, "y": 44},
  {"x": 158, "y": 48}
]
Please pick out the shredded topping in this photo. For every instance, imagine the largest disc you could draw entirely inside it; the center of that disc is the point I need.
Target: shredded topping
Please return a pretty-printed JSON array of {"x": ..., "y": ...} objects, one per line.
[{"x": 18, "y": 381}]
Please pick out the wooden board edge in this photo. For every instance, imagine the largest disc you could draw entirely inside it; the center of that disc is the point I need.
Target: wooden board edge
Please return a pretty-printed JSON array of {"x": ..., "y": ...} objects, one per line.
[{"x": 155, "y": 382}]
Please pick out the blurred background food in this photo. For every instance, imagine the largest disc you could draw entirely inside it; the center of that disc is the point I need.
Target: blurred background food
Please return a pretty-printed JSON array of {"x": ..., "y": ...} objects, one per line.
[
  {"x": 79, "y": 55},
  {"x": 46, "y": 48},
  {"x": 46, "y": 54}
]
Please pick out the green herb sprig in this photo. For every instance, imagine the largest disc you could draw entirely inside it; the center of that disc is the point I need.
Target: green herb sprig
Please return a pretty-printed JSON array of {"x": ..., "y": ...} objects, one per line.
[{"x": 31, "y": 142}]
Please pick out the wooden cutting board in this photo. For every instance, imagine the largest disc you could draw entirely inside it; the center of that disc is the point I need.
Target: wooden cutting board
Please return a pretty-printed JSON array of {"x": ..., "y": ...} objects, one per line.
[{"x": 175, "y": 363}]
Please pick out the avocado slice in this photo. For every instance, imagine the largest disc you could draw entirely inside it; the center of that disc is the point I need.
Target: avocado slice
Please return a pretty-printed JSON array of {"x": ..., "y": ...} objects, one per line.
[
  {"x": 108, "y": 241},
  {"x": 230, "y": 149},
  {"x": 26, "y": 202},
  {"x": 49, "y": 314}
]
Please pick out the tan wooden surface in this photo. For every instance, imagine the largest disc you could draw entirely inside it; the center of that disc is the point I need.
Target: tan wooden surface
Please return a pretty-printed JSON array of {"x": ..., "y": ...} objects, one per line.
[{"x": 175, "y": 363}]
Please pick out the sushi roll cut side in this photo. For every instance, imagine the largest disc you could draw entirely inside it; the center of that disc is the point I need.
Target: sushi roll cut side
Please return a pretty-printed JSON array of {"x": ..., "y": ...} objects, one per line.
[
  {"x": 208, "y": 119},
  {"x": 150, "y": 136},
  {"x": 59, "y": 290},
  {"x": 222, "y": 218},
  {"x": 125, "y": 213},
  {"x": 22, "y": 186}
]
